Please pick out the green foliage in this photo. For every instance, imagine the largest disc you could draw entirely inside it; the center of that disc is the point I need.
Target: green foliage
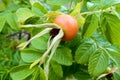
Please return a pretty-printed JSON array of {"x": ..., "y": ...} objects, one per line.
[
  {"x": 57, "y": 2},
  {"x": 90, "y": 25},
  {"x": 116, "y": 76},
  {"x": 84, "y": 51},
  {"x": 82, "y": 75},
  {"x": 115, "y": 55},
  {"x": 110, "y": 26},
  {"x": 92, "y": 54},
  {"x": 2, "y": 21},
  {"x": 57, "y": 68},
  {"x": 21, "y": 16},
  {"x": 29, "y": 55},
  {"x": 40, "y": 43},
  {"x": 76, "y": 13},
  {"x": 11, "y": 20},
  {"x": 23, "y": 72},
  {"x": 63, "y": 56},
  {"x": 42, "y": 74},
  {"x": 98, "y": 63},
  {"x": 38, "y": 8},
  {"x": 17, "y": 72}
]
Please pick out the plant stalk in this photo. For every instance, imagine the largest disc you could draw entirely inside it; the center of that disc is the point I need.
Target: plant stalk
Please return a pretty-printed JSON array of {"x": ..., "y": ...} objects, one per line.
[
  {"x": 46, "y": 25},
  {"x": 99, "y": 11}
]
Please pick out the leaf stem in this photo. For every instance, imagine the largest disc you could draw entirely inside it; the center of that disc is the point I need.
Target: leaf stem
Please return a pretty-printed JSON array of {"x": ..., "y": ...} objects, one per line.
[
  {"x": 45, "y": 25},
  {"x": 99, "y": 11}
]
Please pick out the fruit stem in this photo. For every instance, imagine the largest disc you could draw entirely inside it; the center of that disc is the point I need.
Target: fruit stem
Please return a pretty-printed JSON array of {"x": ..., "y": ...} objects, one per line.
[
  {"x": 45, "y": 25},
  {"x": 99, "y": 11}
]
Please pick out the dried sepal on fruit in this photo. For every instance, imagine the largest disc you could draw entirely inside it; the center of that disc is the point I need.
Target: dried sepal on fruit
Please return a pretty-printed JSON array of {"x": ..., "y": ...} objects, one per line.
[{"x": 65, "y": 28}]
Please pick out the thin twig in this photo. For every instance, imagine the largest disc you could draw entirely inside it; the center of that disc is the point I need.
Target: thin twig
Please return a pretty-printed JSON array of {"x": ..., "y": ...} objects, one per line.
[
  {"x": 99, "y": 11},
  {"x": 46, "y": 25}
]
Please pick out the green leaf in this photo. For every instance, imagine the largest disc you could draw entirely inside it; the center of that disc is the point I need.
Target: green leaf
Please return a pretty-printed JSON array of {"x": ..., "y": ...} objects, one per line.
[
  {"x": 52, "y": 15},
  {"x": 116, "y": 76},
  {"x": 2, "y": 21},
  {"x": 63, "y": 56},
  {"x": 35, "y": 75},
  {"x": 57, "y": 68},
  {"x": 105, "y": 3},
  {"x": 77, "y": 9},
  {"x": 76, "y": 13},
  {"x": 53, "y": 75},
  {"x": 32, "y": 20},
  {"x": 84, "y": 51},
  {"x": 118, "y": 8},
  {"x": 82, "y": 75},
  {"x": 38, "y": 8},
  {"x": 100, "y": 4},
  {"x": 29, "y": 56},
  {"x": 55, "y": 7},
  {"x": 38, "y": 74},
  {"x": 42, "y": 74},
  {"x": 12, "y": 21},
  {"x": 74, "y": 42},
  {"x": 110, "y": 27},
  {"x": 21, "y": 72},
  {"x": 115, "y": 56},
  {"x": 100, "y": 39},
  {"x": 90, "y": 26},
  {"x": 57, "y": 2},
  {"x": 2, "y": 6},
  {"x": 39, "y": 43},
  {"x": 23, "y": 14},
  {"x": 98, "y": 63}
]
